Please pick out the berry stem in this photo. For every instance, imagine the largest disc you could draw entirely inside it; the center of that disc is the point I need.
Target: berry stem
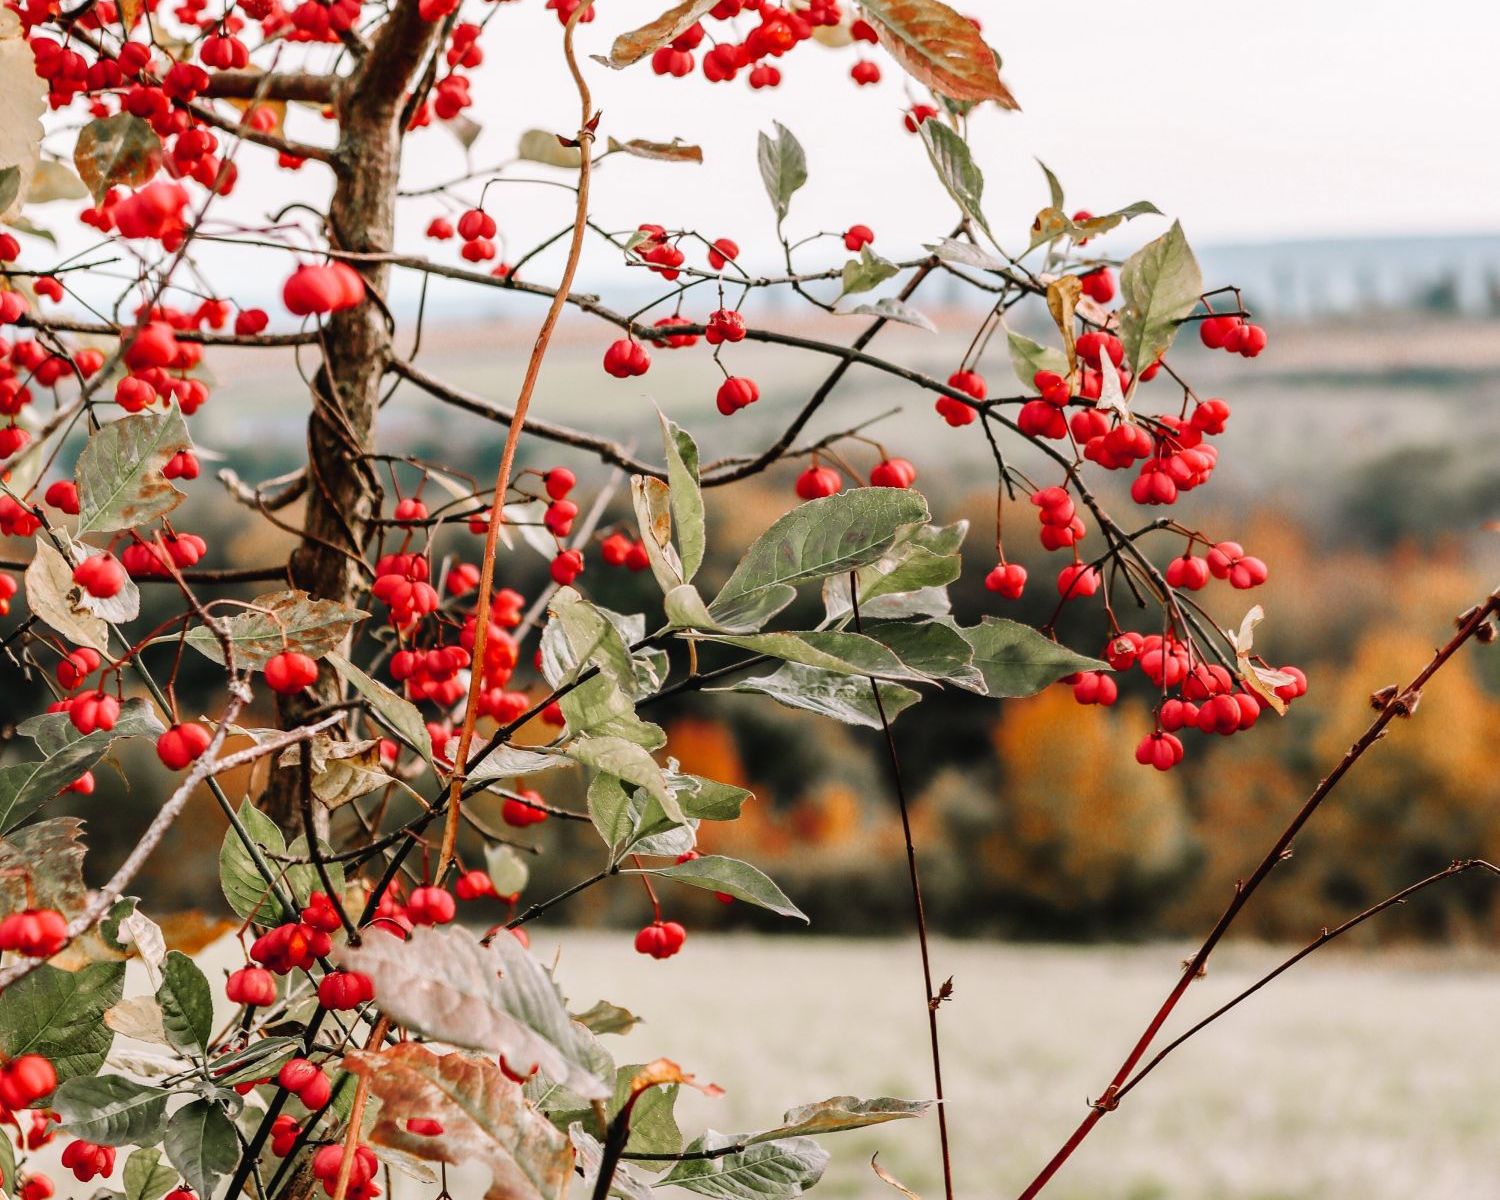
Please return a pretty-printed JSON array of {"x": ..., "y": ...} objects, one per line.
[
  {"x": 508, "y": 454},
  {"x": 933, "y": 997}
]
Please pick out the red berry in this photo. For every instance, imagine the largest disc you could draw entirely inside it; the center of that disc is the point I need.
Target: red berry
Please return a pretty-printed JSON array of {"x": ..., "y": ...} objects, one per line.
[
  {"x": 559, "y": 482},
  {"x": 100, "y": 575},
  {"x": 816, "y": 482},
  {"x": 182, "y": 744},
  {"x": 63, "y": 496},
  {"x": 721, "y": 252},
  {"x": 724, "y": 325},
  {"x": 26, "y": 1079},
  {"x": 893, "y": 472},
  {"x": 1008, "y": 579},
  {"x": 660, "y": 939},
  {"x": 735, "y": 393},
  {"x": 1077, "y": 580},
  {"x": 1160, "y": 750},
  {"x": 251, "y": 986},
  {"x": 430, "y": 906},
  {"x": 856, "y": 237},
  {"x": 566, "y": 567},
  {"x": 289, "y": 672},
  {"x": 472, "y": 885},
  {"x": 345, "y": 989},
  {"x": 626, "y": 358}
]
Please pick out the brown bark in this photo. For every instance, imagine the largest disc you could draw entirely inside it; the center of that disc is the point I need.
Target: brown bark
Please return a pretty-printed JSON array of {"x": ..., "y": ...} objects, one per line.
[{"x": 344, "y": 493}]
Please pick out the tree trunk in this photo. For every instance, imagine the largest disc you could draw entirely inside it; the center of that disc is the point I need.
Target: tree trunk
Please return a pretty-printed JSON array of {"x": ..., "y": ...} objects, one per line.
[{"x": 344, "y": 493}]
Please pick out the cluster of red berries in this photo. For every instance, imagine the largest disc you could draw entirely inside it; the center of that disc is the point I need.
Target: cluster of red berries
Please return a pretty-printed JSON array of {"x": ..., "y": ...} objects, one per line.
[
  {"x": 1234, "y": 334},
  {"x": 778, "y": 31}
]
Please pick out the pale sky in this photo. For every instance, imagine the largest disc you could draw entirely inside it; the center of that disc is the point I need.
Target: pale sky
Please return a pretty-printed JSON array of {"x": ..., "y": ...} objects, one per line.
[{"x": 1248, "y": 122}]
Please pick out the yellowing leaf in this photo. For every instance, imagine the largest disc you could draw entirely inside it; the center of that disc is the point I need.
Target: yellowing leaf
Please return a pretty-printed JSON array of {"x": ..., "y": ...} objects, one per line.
[
  {"x": 485, "y": 1119},
  {"x": 633, "y": 46},
  {"x": 665, "y": 1071},
  {"x": 23, "y": 100},
  {"x": 1062, "y": 300},
  {"x": 939, "y": 47}
]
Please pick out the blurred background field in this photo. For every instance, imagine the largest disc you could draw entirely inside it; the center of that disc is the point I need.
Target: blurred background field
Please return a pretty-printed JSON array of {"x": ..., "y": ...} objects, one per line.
[
  {"x": 1352, "y": 1076},
  {"x": 1360, "y": 463}
]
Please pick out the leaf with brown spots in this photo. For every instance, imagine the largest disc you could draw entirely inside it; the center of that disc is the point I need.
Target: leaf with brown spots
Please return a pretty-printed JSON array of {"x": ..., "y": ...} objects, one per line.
[
  {"x": 673, "y": 151},
  {"x": 117, "y": 150},
  {"x": 485, "y": 1119},
  {"x": 286, "y": 620},
  {"x": 120, "y": 480},
  {"x": 939, "y": 47},
  {"x": 633, "y": 46}
]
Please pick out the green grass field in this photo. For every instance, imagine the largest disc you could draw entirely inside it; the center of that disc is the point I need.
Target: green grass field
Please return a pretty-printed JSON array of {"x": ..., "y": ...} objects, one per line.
[{"x": 1363, "y": 1076}]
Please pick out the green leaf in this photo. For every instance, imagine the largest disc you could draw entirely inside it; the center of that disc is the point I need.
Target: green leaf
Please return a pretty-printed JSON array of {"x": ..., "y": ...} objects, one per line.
[
  {"x": 1159, "y": 285},
  {"x": 395, "y": 712},
  {"x": 605, "y": 1017},
  {"x": 120, "y": 150},
  {"x": 54, "y": 732},
  {"x": 739, "y": 879},
  {"x": 496, "y": 998},
  {"x": 111, "y": 1110},
  {"x": 506, "y": 868},
  {"x": 867, "y": 271},
  {"x": 1016, "y": 660},
  {"x": 838, "y": 1114},
  {"x": 259, "y": 1060},
  {"x": 119, "y": 472},
  {"x": 25, "y": 787},
  {"x": 201, "y": 1143},
  {"x": 890, "y": 308},
  {"x": 686, "y": 494},
  {"x": 846, "y": 698},
  {"x": 767, "y": 1171},
  {"x": 579, "y": 635},
  {"x": 1054, "y": 186},
  {"x": 966, "y": 254},
  {"x": 707, "y": 799},
  {"x": 653, "y": 1125},
  {"x": 626, "y": 761},
  {"x": 10, "y": 188},
  {"x": 817, "y": 539},
  {"x": 609, "y": 810},
  {"x": 187, "y": 1003},
  {"x": 783, "y": 168},
  {"x": 293, "y": 620},
  {"x": 598, "y": 708},
  {"x": 243, "y": 885},
  {"x": 7, "y": 1167},
  {"x": 934, "y": 648},
  {"x": 908, "y": 579},
  {"x": 1028, "y": 357},
  {"x": 848, "y": 653},
  {"x": 60, "y": 1015},
  {"x": 146, "y": 1177},
  {"x": 956, "y": 171}
]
